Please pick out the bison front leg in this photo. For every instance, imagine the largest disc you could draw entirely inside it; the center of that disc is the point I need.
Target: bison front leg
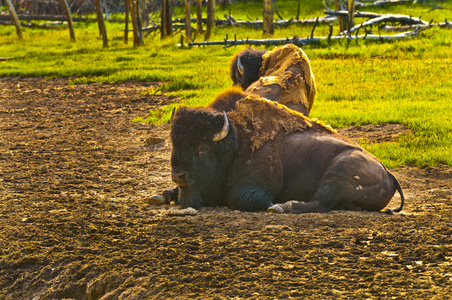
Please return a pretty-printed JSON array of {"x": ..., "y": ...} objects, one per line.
[
  {"x": 165, "y": 197},
  {"x": 250, "y": 198},
  {"x": 298, "y": 207}
]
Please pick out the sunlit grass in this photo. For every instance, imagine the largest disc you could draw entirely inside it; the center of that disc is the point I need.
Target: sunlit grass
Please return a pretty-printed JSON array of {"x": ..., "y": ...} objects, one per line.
[{"x": 359, "y": 82}]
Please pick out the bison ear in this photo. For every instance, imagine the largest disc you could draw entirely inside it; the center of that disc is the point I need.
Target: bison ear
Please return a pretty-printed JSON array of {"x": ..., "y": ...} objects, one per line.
[
  {"x": 240, "y": 67},
  {"x": 224, "y": 131},
  {"x": 172, "y": 115}
]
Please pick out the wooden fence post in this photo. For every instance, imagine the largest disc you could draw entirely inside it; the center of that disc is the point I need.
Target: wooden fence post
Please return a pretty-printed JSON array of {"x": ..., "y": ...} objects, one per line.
[
  {"x": 15, "y": 19},
  {"x": 268, "y": 18},
  {"x": 187, "y": 21},
  {"x": 341, "y": 19},
  {"x": 137, "y": 38},
  {"x": 126, "y": 29},
  {"x": 168, "y": 18},
  {"x": 69, "y": 20},
  {"x": 162, "y": 19},
  {"x": 138, "y": 6},
  {"x": 351, "y": 14},
  {"x": 144, "y": 14},
  {"x": 199, "y": 16},
  {"x": 100, "y": 22},
  {"x": 210, "y": 18}
]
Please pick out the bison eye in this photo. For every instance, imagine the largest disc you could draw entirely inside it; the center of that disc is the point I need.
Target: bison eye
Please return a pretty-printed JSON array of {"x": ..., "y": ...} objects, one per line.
[{"x": 202, "y": 150}]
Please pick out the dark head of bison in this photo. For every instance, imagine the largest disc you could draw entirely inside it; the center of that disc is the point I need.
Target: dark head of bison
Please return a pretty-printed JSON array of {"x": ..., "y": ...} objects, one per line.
[
  {"x": 204, "y": 144},
  {"x": 245, "y": 67}
]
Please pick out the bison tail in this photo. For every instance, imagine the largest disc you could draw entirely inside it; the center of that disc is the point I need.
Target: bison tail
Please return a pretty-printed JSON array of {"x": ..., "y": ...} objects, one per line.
[{"x": 402, "y": 198}]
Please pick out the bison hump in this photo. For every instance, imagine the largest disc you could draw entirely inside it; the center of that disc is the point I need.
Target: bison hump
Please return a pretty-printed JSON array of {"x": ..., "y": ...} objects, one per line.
[
  {"x": 289, "y": 67},
  {"x": 259, "y": 120}
]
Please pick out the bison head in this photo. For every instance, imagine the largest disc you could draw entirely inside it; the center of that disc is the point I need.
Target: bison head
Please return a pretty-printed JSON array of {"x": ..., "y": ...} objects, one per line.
[
  {"x": 245, "y": 67},
  {"x": 204, "y": 143}
]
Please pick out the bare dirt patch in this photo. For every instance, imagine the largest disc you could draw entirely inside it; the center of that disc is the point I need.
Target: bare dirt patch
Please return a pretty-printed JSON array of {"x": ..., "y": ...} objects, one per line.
[
  {"x": 375, "y": 133},
  {"x": 75, "y": 174}
]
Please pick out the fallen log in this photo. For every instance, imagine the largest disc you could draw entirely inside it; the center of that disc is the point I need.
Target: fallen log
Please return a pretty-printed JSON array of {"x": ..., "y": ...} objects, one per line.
[
  {"x": 157, "y": 27},
  {"x": 44, "y": 25},
  {"x": 358, "y": 14},
  {"x": 419, "y": 27},
  {"x": 230, "y": 21},
  {"x": 45, "y": 18},
  {"x": 259, "y": 24},
  {"x": 10, "y": 58},
  {"x": 381, "y": 3},
  {"x": 303, "y": 41},
  {"x": 282, "y": 23},
  {"x": 402, "y": 19}
]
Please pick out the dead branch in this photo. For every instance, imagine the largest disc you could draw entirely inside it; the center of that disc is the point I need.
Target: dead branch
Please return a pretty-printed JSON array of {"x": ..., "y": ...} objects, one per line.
[
  {"x": 313, "y": 28},
  {"x": 69, "y": 19},
  {"x": 276, "y": 10},
  {"x": 303, "y": 41},
  {"x": 15, "y": 19}
]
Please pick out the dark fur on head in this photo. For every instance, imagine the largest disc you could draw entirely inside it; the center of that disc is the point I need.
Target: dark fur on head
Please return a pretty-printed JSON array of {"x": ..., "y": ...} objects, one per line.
[
  {"x": 203, "y": 160},
  {"x": 251, "y": 60}
]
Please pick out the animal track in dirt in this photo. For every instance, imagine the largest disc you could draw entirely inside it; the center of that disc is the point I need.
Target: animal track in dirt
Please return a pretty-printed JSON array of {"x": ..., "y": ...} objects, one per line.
[{"x": 75, "y": 174}]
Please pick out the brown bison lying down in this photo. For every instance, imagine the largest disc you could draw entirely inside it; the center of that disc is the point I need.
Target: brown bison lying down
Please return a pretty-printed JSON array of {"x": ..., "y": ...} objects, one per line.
[
  {"x": 262, "y": 153},
  {"x": 283, "y": 75}
]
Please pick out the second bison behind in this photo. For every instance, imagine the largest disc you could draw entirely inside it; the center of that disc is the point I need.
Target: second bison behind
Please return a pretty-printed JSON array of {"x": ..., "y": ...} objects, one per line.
[{"x": 283, "y": 75}]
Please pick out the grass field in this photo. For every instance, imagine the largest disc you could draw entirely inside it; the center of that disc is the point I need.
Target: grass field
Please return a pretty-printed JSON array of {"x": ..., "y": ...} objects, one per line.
[{"x": 407, "y": 82}]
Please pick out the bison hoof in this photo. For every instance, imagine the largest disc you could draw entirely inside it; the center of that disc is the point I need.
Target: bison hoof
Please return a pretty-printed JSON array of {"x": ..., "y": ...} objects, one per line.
[
  {"x": 282, "y": 207},
  {"x": 156, "y": 200},
  {"x": 275, "y": 209}
]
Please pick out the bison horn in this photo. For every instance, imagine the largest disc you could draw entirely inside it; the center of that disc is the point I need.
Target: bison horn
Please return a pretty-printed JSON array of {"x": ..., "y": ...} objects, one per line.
[
  {"x": 224, "y": 131},
  {"x": 240, "y": 66}
]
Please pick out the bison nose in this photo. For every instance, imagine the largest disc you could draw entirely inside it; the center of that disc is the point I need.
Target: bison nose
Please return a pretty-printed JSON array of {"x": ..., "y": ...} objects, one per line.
[{"x": 179, "y": 177}]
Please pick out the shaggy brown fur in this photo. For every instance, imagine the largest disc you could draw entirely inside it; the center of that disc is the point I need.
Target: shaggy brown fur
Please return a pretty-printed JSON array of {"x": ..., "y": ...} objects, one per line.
[
  {"x": 286, "y": 77},
  {"x": 261, "y": 120},
  {"x": 225, "y": 101}
]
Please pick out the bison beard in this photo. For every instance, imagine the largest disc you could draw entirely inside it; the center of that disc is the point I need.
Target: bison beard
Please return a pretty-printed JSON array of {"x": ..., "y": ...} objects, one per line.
[{"x": 269, "y": 155}]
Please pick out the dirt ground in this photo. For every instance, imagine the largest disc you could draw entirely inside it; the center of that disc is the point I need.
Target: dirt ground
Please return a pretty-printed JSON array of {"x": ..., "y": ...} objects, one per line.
[{"x": 75, "y": 175}]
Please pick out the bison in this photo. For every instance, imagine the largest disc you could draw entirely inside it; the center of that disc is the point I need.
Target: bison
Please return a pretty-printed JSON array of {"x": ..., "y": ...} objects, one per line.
[
  {"x": 283, "y": 75},
  {"x": 263, "y": 156}
]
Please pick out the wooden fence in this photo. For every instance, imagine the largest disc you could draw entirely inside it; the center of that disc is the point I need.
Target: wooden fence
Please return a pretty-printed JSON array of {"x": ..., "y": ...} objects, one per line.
[{"x": 136, "y": 12}]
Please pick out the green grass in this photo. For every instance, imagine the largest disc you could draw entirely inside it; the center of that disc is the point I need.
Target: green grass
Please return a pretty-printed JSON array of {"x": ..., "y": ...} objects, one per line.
[{"x": 407, "y": 82}]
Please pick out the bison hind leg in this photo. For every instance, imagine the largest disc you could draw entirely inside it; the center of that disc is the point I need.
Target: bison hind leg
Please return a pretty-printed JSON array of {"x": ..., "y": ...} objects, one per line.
[{"x": 356, "y": 181}]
